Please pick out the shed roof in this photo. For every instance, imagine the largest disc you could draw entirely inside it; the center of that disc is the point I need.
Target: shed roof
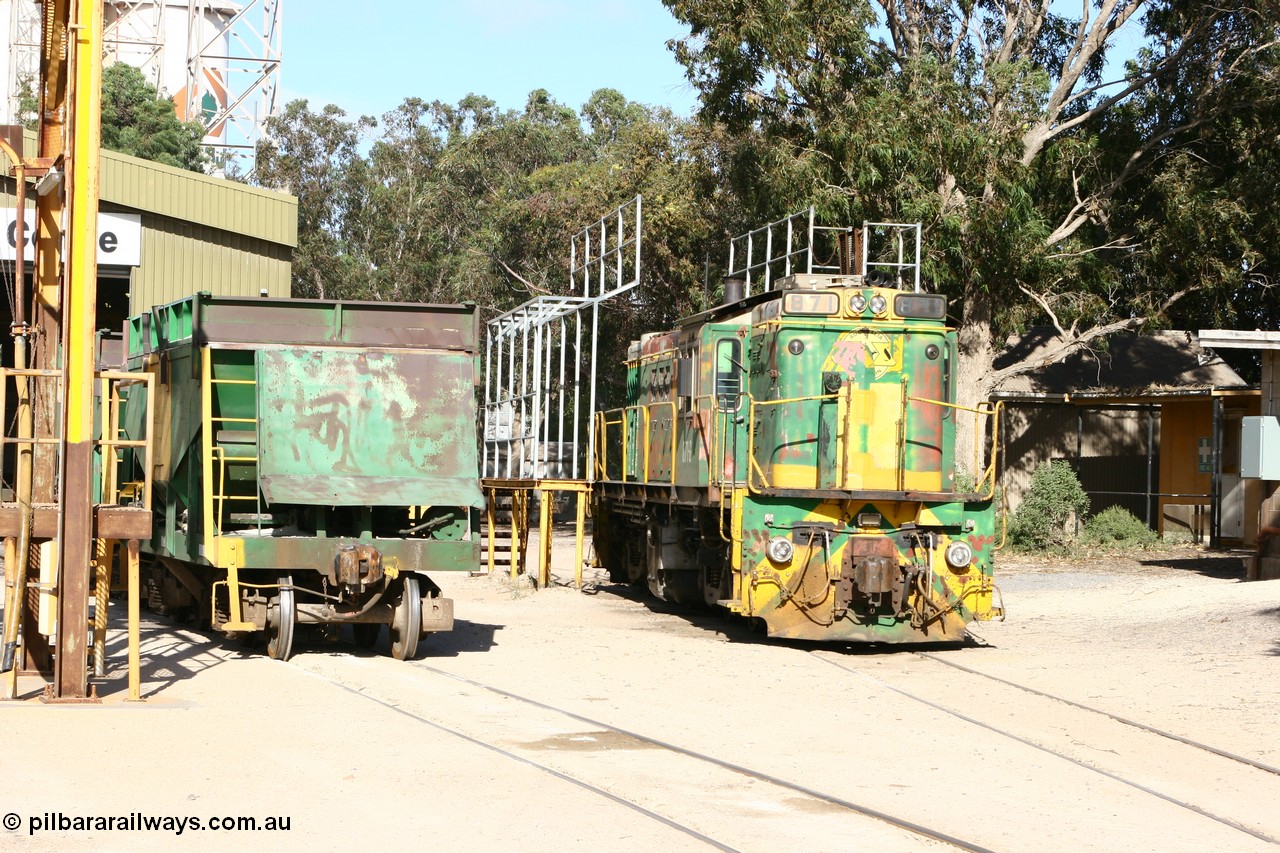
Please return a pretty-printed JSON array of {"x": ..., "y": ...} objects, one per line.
[
  {"x": 1239, "y": 339},
  {"x": 1123, "y": 366}
]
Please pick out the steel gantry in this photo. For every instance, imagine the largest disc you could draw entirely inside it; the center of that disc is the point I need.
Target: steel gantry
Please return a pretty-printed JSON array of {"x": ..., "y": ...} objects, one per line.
[
  {"x": 60, "y": 527},
  {"x": 540, "y": 363}
]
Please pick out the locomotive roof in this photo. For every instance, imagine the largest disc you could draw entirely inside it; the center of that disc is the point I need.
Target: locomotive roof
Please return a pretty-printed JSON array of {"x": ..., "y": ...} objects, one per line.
[{"x": 728, "y": 309}]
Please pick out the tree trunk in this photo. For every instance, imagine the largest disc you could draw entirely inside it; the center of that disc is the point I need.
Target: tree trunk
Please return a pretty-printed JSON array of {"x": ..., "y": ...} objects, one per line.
[{"x": 975, "y": 381}]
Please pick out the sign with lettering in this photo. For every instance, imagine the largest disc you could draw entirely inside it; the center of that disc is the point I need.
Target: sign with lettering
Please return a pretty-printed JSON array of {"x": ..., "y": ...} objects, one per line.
[{"x": 119, "y": 237}]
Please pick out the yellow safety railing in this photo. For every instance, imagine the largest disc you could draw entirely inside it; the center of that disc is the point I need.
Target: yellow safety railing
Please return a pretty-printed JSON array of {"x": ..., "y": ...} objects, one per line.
[
  {"x": 217, "y": 452},
  {"x": 109, "y": 442},
  {"x": 986, "y": 484},
  {"x": 717, "y": 436},
  {"x": 752, "y": 403}
]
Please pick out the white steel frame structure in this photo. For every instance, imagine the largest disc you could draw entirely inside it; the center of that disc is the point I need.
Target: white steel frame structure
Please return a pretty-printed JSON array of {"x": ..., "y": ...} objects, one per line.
[
  {"x": 136, "y": 27},
  {"x": 24, "y": 52},
  {"x": 786, "y": 247},
  {"x": 235, "y": 46},
  {"x": 252, "y": 31},
  {"x": 540, "y": 355}
]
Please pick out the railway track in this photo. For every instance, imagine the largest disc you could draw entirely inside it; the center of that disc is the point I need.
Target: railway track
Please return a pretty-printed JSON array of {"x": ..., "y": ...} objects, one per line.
[
  {"x": 755, "y": 810},
  {"x": 1230, "y": 756},
  {"x": 1114, "y": 747}
]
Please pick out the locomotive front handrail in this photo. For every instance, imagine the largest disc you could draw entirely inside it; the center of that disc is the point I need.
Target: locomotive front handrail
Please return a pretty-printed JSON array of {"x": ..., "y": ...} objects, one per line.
[
  {"x": 991, "y": 410},
  {"x": 986, "y": 483},
  {"x": 753, "y": 463}
]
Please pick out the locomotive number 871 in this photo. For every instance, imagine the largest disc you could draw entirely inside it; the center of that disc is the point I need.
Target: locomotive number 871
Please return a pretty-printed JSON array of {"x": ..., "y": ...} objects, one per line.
[{"x": 790, "y": 456}]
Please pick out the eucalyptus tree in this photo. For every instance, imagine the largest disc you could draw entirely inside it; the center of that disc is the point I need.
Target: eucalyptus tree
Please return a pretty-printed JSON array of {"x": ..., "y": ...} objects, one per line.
[
  {"x": 316, "y": 157},
  {"x": 1013, "y": 130}
]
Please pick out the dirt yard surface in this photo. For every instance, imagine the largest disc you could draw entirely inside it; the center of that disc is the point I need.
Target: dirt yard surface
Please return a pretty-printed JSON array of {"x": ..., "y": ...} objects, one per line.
[{"x": 556, "y": 720}]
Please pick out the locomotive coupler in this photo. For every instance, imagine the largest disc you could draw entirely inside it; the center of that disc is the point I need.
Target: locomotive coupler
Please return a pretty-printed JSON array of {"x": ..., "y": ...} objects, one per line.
[
  {"x": 870, "y": 572},
  {"x": 356, "y": 566}
]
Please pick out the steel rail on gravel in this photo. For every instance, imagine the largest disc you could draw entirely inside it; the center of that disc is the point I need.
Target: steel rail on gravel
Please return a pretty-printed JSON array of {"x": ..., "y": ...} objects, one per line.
[
  {"x": 1222, "y": 753},
  {"x": 687, "y": 830},
  {"x": 865, "y": 811},
  {"x": 1026, "y": 742}
]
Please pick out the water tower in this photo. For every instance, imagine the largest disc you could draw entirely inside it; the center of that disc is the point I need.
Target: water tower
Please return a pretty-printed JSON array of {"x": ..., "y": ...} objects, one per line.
[{"x": 220, "y": 61}]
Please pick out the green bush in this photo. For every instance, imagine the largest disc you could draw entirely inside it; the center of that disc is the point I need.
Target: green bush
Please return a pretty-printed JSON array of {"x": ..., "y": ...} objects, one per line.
[
  {"x": 1052, "y": 499},
  {"x": 1117, "y": 526}
]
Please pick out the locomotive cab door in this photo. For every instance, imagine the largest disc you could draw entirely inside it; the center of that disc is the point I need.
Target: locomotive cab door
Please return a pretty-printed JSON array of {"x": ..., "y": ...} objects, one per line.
[{"x": 729, "y": 380}]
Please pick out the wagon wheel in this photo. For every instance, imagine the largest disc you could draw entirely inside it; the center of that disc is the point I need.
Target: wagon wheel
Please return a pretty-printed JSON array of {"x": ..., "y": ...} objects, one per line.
[
  {"x": 365, "y": 634},
  {"x": 282, "y": 617},
  {"x": 406, "y": 621}
]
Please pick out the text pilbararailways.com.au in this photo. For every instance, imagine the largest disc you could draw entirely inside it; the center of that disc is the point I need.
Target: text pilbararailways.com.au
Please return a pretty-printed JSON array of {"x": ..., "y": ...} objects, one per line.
[{"x": 140, "y": 822}]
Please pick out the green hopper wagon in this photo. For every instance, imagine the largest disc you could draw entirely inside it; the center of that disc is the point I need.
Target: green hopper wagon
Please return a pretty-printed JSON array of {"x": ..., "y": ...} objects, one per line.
[{"x": 314, "y": 462}]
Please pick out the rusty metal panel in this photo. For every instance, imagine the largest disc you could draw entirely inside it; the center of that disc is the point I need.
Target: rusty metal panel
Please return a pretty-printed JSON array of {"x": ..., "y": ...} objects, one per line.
[
  {"x": 229, "y": 319},
  {"x": 338, "y": 426}
]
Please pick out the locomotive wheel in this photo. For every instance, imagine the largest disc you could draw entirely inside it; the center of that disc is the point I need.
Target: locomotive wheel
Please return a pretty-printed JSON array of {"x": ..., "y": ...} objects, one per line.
[
  {"x": 406, "y": 621},
  {"x": 365, "y": 634},
  {"x": 280, "y": 634}
]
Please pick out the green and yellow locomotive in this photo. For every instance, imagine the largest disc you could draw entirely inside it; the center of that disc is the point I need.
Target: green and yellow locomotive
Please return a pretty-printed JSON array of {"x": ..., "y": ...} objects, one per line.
[{"x": 791, "y": 456}]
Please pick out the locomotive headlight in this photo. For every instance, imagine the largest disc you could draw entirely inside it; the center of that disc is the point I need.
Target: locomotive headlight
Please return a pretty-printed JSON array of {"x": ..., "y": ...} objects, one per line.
[
  {"x": 959, "y": 555},
  {"x": 878, "y": 304},
  {"x": 779, "y": 549},
  {"x": 857, "y": 303}
]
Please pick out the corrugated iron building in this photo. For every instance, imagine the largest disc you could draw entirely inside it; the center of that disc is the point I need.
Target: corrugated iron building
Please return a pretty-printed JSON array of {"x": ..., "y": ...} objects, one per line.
[{"x": 193, "y": 233}]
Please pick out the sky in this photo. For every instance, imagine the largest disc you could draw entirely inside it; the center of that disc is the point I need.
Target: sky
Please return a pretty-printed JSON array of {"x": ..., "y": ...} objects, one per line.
[{"x": 368, "y": 57}]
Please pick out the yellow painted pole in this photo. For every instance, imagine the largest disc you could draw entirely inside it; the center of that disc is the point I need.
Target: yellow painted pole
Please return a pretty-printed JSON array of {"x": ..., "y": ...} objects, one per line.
[
  {"x": 544, "y": 538},
  {"x": 103, "y": 550},
  {"x": 79, "y": 322},
  {"x": 517, "y": 507},
  {"x": 135, "y": 612},
  {"x": 491, "y": 517},
  {"x": 9, "y": 689},
  {"x": 578, "y": 534}
]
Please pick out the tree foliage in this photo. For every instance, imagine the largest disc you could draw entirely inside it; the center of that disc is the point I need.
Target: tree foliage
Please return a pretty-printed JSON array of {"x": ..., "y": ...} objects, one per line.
[
  {"x": 1095, "y": 167},
  {"x": 445, "y": 202},
  {"x": 1056, "y": 183},
  {"x": 138, "y": 120}
]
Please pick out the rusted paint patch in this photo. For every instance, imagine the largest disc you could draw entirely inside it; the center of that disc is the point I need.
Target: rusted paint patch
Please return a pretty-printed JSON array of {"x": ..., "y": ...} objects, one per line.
[{"x": 378, "y": 428}]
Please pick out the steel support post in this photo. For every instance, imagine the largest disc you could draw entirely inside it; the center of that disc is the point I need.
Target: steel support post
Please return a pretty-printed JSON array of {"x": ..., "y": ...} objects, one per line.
[
  {"x": 544, "y": 537},
  {"x": 76, "y": 501},
  {"x": 135, "y": 610},
  {"x": 9, "y": 688},
  {"x": 577, "y": 544}
]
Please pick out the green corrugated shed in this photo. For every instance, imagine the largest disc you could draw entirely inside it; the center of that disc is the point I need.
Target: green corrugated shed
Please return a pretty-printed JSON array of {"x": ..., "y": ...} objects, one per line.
[{"x": 198, "y": 232}]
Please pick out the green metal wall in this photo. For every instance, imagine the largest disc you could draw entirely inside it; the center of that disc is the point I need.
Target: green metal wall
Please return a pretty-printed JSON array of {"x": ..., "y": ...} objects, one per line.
[{"x": 198, "y": 232}]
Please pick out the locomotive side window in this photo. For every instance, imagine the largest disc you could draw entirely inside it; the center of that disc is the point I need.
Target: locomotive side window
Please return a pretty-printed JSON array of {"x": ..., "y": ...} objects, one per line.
[{"x": 728, "y": 373}]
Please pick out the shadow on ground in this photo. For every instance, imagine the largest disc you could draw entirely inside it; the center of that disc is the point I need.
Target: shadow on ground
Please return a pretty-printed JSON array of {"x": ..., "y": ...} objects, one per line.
[{"x": 1224, "y": 566}]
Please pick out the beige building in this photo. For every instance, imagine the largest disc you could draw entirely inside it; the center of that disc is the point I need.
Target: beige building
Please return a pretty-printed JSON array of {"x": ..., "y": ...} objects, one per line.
[{"x": 165, "y": 233}]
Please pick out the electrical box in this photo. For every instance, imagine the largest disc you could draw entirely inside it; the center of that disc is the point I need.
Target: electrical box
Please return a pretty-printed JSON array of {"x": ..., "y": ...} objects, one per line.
[{"x": 1260, "y": 448}]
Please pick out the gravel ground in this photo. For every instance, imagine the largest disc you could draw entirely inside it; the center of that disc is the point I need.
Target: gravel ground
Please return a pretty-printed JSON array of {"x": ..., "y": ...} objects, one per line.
[{"x": 363, "y": 752}]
